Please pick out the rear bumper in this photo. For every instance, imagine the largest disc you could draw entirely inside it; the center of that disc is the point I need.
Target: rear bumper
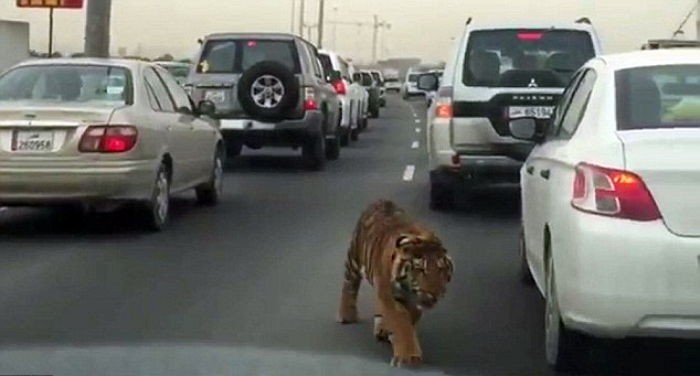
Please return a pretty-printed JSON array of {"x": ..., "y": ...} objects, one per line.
[
  {"x": 618, "y": 278},
  {"x": 283, "y": 133},
  {"x": 480, "y": 170},
  {"x": 23, "y": 184}
]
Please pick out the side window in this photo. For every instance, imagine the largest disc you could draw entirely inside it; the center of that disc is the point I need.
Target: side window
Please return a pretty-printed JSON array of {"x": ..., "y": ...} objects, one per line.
[
  {"x": 161, "y": 94},
  {"x": 564, "y": 103},
  {"x": 579, "y": 103},
  {"x": 180, "y": 97},
  {"x": 152, "y": 100},
  {"x": 315, "y": 65}
]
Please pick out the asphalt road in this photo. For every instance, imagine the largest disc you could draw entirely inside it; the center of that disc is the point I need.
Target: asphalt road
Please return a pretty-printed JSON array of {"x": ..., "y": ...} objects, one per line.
[{"x": 251, "y": 287}]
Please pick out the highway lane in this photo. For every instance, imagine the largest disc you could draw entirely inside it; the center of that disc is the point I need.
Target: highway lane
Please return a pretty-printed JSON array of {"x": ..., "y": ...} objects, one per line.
[{"x": 251, "y": 286}]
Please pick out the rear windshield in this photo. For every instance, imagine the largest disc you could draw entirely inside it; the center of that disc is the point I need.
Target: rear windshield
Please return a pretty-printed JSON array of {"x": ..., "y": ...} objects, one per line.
[
  {"x": 91, "y": 85},
  {"x": 525, "y": 58},
  {"x": 377, "y": 77},
  {"x": 412, "y": 78},
  {"x": 658, "y": 97},
  {"x": 391, "y": 80},
  {"x": 178, "y": 71},
  {"x": 235, "y": 56}
]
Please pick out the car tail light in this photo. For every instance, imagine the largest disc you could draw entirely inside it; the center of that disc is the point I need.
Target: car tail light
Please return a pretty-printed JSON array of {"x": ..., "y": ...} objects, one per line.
[
  {"x": 108, "y": 139},
  {"x": 614, "y": 193},
  {"x": 310, "y": 103},
  {"x": 340, "y": 87},
  {"x": 443, "y": 103},
  {"x": 530, "y": 36}
]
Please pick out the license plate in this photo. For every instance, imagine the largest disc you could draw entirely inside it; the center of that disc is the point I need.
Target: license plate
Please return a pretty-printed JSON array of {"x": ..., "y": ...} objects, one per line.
[
  {"x": 33, "y": 141},
  {"x": 216, "y": 96},
  {"x": 539, "y": 112},
  {"x": 246, "y": 125}
]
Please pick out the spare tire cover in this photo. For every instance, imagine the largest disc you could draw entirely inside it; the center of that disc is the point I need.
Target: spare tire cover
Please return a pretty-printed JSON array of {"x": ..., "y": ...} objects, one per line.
[{"x": 268, "y": 90}]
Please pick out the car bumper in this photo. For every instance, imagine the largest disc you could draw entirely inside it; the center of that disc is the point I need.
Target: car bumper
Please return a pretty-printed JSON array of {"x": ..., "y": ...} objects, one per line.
[
  {"x": 284, "y": 133},
  {"x": 618, "y": 278},
  {"x": 25, "y": 184}
]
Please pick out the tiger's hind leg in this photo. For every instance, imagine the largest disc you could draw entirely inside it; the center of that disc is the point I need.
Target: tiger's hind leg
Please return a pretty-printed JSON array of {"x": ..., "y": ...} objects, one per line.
[{"x": 347, "y": 313}]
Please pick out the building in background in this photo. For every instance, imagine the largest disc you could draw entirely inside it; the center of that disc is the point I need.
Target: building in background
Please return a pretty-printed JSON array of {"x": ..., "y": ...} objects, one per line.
[{"x": 14, "y": 39}]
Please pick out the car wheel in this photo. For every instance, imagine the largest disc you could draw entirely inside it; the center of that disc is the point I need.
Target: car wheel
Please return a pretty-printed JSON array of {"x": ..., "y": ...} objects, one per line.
[
  {"x": 355, "y": 133},
  {"x": 441, "y": 197},
  {"x": 156, "y": 211},
  {"x": 233, "y": 149},
  {"x": 210, "y": 193},
  {"x": 525, "y": 273},
  {"x": 375, "y": 113},
  {"x": 344, "y": 137},
  {"x": 333, "y": 146},
  {"x": 564, "y": 348},
  {"x": 268, "y": 90},
  {"x": 314, "y": 153}
]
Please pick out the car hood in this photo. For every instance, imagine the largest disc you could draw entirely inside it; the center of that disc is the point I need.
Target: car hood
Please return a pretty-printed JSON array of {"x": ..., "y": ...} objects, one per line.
[{"x": 187, "y": 360}]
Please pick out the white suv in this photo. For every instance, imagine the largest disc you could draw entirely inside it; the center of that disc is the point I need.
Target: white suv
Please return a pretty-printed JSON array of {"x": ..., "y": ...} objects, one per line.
[
  {"x": 497, "y": 73},
  {"x": 352, "y": 95}
]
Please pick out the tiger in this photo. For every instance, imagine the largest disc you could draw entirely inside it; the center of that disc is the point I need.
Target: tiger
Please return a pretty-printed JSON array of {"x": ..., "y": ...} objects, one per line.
[{"x": 409, "y": 269}]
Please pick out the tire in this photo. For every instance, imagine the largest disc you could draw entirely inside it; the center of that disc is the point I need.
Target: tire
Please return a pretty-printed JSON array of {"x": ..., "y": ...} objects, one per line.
[
  {"x": 355, "y": 134},
  {"x": 275, "y": 94},
  {"x": 525, "y": 273},
  {"x": 210, "y": 193},
  {"x": 233, "y": 149},
  {"x": 441, "y": 197},
  {"x": 156, "y": 211},
  {"x": 564, "y": 348},
  {"x": 344, "y": 137},
  {"x": 333, "y": 145},
  {"x": 314, "y": 153},
  {"x": 375, "y": 113}
]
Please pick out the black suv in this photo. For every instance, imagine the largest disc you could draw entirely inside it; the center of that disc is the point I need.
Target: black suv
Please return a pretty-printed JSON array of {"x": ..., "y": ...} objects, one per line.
[{"x": 269, "y": 90}]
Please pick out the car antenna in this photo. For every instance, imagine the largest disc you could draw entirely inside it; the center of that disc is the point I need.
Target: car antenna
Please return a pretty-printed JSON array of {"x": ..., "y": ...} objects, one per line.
[
  {"x": 200, "y": 41},
  {"x": 469, "y": 20},
  {"x": 585, "y": 20}
]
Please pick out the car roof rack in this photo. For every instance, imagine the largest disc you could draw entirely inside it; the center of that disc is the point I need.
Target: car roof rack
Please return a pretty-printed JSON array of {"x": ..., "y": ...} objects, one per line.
[{"x": 584, "y": 20}]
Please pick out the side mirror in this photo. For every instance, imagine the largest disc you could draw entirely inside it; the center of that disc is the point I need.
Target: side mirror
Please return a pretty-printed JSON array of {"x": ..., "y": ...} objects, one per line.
[
  {"x": 428, "y": 82},
  {"x": 335, "y": 76},
  {"x": 207, "y": 108}
]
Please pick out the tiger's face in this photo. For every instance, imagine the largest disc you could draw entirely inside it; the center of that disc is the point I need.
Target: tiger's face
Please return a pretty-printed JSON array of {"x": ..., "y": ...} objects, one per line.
[{"x": 421, "y": 270}]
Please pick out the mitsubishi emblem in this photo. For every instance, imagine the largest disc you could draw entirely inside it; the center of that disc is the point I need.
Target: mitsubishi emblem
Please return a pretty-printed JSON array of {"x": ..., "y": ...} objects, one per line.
[{"x": 533, "y": 83}]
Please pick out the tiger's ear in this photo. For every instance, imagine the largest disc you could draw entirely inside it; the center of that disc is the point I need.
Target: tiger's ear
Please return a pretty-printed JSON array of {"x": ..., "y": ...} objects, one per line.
[{"x": 405, "y": 240}]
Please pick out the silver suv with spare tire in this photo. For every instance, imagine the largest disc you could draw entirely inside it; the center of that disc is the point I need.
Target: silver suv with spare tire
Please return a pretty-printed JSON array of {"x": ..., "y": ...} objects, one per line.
[
  {"x": 496, "y": 73},
  {"x": 269, "y": 90}
]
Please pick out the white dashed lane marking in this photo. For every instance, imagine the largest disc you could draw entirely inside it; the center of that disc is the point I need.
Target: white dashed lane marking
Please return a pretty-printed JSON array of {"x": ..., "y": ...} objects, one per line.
[
  {"x": 409, "y": 172},
  {"x": 415, "y": 145},
  {"x": 417, "y": 121},
  {"x": 417, "y": 130}
]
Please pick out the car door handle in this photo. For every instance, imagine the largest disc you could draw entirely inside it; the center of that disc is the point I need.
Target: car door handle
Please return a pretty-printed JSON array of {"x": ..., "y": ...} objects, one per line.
[
  {"x": 530, "y": 169},
  {"x": 545, "y": 174}
]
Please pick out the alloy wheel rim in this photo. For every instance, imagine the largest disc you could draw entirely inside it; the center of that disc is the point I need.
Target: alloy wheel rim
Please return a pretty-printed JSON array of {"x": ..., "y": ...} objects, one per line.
[{"x": 267, "y": 91}]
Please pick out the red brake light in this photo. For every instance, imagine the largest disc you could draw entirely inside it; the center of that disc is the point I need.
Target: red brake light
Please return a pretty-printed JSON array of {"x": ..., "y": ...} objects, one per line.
[
  {"x": 339, "y": 87},
  {"x": 443, "y": 103},
  {"x": 530, "y": 36},
  {"x": 108, "y": 139},
  {"x": 614, "y": 193},
  {"x": 310, "y": 103},
  {"x": 252, "y": 43}
]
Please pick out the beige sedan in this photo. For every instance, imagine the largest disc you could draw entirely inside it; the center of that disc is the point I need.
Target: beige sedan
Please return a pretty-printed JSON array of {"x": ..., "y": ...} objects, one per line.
[{"x": 101, "y": 132}]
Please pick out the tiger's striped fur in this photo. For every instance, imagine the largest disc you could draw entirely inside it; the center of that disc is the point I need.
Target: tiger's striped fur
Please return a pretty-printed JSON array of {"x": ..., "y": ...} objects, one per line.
[{"x": 408, "y": 268}]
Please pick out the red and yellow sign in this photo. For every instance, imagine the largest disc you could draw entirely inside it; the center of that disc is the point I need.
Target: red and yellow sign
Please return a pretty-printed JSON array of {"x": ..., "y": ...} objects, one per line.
[{"x": 66, "y": 4}]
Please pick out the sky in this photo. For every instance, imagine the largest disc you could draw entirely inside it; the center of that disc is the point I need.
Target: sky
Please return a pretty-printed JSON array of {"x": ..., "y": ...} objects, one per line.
[{"x": 419, "y": 28}]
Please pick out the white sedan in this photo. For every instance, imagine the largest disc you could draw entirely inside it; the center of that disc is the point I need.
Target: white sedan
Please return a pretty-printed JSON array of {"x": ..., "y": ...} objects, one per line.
[{"x": 610, "y": 203}]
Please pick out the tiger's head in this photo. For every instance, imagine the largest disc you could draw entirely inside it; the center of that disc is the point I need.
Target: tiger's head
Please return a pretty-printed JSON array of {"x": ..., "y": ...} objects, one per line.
[{"x": 421, "y": 270}]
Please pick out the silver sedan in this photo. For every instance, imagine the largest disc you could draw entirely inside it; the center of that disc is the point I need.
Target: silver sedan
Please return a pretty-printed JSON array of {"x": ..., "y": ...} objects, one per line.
[{"x": 98, "y": 132}]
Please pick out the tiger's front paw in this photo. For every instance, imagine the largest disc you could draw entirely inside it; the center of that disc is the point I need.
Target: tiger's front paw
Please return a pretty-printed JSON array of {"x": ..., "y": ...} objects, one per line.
[
  {"x": 347, "y": 317},
  {"x": 380, "y": 332},
  {"x": 407, "y": 361}
]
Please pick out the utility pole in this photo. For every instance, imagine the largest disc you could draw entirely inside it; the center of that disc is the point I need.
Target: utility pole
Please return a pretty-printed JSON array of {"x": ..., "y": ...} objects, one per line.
[
  {"x": 97, "y": 27},
  {"x": 321, "y": 15},
  {"x": 294, "y": 16},
  {"x": 335, "y": 27},
  {"x": 379, "y": 25},
  {"x": 697, "y": 22},
  {"x": 302, "y": 9}
]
